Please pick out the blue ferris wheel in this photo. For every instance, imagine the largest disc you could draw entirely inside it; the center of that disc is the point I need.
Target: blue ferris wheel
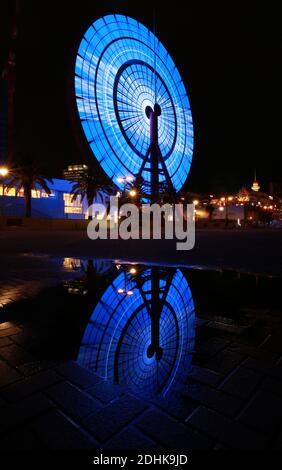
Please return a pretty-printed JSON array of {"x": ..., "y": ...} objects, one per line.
[
  {"x": 143, "y": 340},
  {"x": 133, "y": 105}
]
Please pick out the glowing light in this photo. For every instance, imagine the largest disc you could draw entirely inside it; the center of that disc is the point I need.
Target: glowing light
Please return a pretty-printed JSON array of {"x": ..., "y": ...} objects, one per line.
[
  {"x": 255, "y": 186},
  {"x": 133, "y": 271},
  {"x": 196, "y": 202},
  {"x": 121, "y": 291},
  {"x": 4, "y": 171},
  {"x": 230, "y": 198},
  {"x": 221, "y": 209},
  {"x": 129, "y": 292},
  {"x": 119, "y": 65},
  {"x": 132, "y": 193}
]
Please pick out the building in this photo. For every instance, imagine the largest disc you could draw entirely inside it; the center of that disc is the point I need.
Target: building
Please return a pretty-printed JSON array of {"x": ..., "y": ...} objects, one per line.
[
  {"x": 58, "y": 205},
  {"x": 75, "y": 172}
]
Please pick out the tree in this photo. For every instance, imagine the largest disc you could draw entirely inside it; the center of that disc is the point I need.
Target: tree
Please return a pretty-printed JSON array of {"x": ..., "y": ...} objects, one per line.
[
  {"x": 89, "y": 185},
  {"x": 210, "y": 210},
  {"x": 28, "y": 176}
]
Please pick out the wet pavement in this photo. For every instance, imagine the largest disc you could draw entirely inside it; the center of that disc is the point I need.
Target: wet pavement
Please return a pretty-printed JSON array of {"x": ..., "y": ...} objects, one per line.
[{"x": 114, "y": 356}]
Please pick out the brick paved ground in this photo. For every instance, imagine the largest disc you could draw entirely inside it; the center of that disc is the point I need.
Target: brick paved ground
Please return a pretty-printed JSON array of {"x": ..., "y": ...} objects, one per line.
[{"x": 232, "y": 398}]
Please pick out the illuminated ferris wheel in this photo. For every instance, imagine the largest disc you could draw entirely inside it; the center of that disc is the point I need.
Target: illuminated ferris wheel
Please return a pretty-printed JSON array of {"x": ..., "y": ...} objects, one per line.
[
  {"x": 132, "y": 104},
  {"x": 141, "y": 333}
]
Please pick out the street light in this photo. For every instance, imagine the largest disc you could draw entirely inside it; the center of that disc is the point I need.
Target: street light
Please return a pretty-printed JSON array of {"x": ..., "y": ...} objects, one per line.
[
  {"x": 133, "y": 193},
  {"x": 4, "y": 171},
  {"x": 124, "y": 180}
]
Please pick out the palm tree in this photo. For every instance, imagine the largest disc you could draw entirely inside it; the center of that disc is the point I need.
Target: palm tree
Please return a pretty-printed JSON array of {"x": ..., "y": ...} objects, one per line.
[
  {"x": 89, "y": 185},
  {"x": 28, "y": 176}
]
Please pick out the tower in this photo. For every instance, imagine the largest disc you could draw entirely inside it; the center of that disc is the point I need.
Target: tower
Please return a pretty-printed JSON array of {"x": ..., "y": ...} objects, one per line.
[{"x": 255, "y": 186}]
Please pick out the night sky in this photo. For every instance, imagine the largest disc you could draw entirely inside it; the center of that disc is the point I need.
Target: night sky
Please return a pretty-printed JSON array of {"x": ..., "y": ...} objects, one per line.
[{"x": 228, "y": 55}]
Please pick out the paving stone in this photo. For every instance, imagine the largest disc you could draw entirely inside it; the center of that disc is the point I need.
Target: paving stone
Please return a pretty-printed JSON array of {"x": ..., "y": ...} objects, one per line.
[
  {"x": 229, "y": 432},
  {"x": 213, "y": 345},
  {"x": 224, "y": 361},
  {"x": 254, "y": 352},
  {"x": 6, "y": 326},
  {"x": 15, "y": 355},
  {"x": 215, "y": 399},
  {"x": 26, "y": 338},
  {"x": 131, "y": 440},
  {"x": 23, "y": 439},
  {"x": 273, "y": 385},
  {"x": 112, "y": 418},
  {"x": 56, "y": 432},
  {"x": 78, "y": 375},
  {"x": 35, "y": 367},
  {"x": 105, "y": 391},
  {"x": 30, "y": 385},
  {"x": 273, "y": 343},
  {"x": 8, "y": 375},
  {"x": 170, "y": 433},
  {"x": 9, "y": 331},
  {"x": 264, "y": 412},
  {"x": 72, "y": 400},
  {"x": 5, "y": 341},
  {"x": 263, "y": 367},
  {"x": 242, "y": 382},
  {"x": 13, "y": 415},
  {"x": 205, "y": 376},
  {"x": 176, "y": 406}
]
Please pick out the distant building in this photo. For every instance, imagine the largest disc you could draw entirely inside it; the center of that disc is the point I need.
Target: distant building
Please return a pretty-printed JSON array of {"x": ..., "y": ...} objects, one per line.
[
  {"x": 75, "y": 172},
  {"x": 58, "y": 205}
]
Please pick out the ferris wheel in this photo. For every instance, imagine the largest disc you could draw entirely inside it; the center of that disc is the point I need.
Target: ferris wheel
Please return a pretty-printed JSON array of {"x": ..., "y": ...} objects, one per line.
[
  {"x": 141, "y": 332},
  {"x": 132, "y": 104}
]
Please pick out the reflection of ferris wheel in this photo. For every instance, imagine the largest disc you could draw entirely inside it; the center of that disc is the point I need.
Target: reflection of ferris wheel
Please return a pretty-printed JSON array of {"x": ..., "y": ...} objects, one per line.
[
  {"x": 144, "y": 340},
  {"x": 132, "y": 103}
]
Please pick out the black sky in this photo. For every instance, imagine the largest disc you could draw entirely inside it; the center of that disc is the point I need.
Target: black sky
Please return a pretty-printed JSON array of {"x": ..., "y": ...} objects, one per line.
[{"x": 229, "y": 55}]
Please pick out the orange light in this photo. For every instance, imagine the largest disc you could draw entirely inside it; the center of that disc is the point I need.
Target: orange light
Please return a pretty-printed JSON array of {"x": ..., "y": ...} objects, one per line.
[
  {"x": 4, "y": 171},
  {"x": 129, "y": 292}
]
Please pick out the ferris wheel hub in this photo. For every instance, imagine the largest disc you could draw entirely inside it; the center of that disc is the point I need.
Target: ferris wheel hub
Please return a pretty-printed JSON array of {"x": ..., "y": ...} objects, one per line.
[{"x": 157, "y": 110}]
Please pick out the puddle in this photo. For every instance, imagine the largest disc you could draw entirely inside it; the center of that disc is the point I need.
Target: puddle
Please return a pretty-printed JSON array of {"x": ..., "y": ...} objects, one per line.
[{"x": 140, "y": 326}]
